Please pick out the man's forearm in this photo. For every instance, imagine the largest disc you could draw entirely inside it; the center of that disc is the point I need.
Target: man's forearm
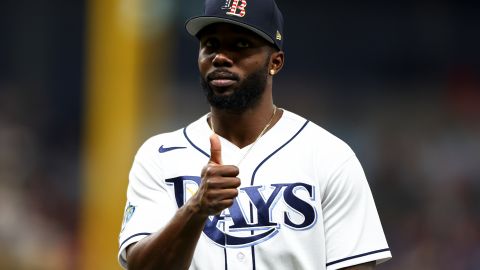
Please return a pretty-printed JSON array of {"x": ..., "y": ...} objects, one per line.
[{"x": 170, "y": 248}]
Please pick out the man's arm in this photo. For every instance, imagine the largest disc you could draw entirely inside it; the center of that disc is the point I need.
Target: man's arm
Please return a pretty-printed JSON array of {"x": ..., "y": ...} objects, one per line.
[
  {"x": 365, "y": 266},
  {"x": 173, "y": 246},
  {"x": 170, "y": 248}
]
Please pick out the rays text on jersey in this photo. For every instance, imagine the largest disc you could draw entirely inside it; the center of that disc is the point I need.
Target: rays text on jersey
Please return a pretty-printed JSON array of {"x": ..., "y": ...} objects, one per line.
[{"x": 259, "y": 216}]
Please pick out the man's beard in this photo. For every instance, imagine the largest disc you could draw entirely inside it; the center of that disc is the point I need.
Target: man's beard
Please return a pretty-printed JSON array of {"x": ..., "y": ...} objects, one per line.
[{"x": 244, "y": 96}]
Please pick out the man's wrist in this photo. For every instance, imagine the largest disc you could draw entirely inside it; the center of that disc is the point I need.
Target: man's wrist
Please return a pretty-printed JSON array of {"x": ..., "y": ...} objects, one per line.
[{"x": 193, "y": 210}]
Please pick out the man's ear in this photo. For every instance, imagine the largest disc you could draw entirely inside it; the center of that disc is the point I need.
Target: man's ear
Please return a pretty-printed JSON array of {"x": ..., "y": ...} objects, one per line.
[{"x": 277, "y": 59}]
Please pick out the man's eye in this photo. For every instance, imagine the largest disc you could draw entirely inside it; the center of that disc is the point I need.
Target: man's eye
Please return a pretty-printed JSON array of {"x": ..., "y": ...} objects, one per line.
[
  {"x": 209, "y": 43},
  {"x": 243, "y": 44}
]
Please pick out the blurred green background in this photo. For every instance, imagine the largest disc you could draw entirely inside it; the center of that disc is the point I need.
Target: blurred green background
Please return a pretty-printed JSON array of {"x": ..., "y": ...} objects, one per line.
[{"x": 84, "y": 83}]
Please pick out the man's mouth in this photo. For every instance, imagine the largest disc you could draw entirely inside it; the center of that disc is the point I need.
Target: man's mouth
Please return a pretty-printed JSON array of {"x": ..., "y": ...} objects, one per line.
[
  {"x": 222, "y": 78},
  {"x": 222, "y": 82}
]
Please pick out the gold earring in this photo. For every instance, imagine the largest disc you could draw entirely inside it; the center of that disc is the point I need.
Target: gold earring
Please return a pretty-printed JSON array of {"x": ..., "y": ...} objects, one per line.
[{"x": 272, "y": 71}]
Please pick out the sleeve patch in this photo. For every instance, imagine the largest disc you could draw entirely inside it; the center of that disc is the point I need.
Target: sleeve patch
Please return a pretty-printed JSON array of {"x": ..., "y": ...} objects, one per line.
[{"x": 129, "y": 211}]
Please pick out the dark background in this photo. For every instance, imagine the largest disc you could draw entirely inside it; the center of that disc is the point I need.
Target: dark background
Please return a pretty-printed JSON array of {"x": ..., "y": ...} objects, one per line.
[{"x": 398, "y": 81}]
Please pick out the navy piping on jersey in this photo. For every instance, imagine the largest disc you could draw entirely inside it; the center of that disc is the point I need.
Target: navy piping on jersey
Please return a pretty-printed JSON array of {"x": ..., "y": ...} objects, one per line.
[
  {"x": 194, "y": 146},
  {"x": 225, "y": 254},
  {"x": 252, "y": 248},
  {"x": 137, "y": 234},
  {"x": 255, "y": 173},
  {"x": 274, "y": 152},
  {"x": 123, "y": 260},
  {"x": 358, "y": 256}
]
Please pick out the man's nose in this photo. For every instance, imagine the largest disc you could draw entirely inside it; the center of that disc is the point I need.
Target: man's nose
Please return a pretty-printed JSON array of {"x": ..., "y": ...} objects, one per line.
[{"x": 221, "y": 59}]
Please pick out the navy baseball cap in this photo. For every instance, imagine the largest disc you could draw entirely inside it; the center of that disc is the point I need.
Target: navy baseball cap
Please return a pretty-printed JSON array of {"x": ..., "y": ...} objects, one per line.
[{"x": 263, "y": 17}]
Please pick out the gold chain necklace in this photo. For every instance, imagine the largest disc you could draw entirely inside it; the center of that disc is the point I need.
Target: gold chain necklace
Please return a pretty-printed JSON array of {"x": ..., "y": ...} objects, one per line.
[{"x": 258, "y": 137}]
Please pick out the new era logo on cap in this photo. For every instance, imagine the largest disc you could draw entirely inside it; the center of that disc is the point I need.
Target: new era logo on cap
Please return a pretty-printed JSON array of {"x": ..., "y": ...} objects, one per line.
[{"x": 262, "y": 17}]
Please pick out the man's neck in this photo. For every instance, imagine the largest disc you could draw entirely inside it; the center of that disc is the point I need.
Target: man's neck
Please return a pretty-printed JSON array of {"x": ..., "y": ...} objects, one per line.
[{"x": 243, "y": 128}]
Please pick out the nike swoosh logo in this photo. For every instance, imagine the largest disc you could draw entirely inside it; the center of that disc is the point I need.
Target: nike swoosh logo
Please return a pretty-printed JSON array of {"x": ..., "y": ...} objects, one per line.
[{"x": 168, "y": 149}]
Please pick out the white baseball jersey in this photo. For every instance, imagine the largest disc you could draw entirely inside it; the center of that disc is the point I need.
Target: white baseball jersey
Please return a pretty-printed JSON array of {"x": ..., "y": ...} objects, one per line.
[{"x": 303, "y": 203}]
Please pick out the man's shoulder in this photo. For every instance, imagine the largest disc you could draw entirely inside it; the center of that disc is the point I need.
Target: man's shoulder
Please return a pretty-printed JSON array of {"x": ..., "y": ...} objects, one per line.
[
  {"x": 160, "y": 142},
  {"x": 168, "y": 141},
  {"x": 166, "y": 137},
  {"x": 317, "y": 135},
  {"x": 322, "y": 143}
]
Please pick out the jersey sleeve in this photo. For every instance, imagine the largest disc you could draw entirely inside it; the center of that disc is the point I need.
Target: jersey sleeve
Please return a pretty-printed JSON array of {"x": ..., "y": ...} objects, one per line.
[
  {"x": 148, "y": 207},
  {"x": 353, "y": 231}
]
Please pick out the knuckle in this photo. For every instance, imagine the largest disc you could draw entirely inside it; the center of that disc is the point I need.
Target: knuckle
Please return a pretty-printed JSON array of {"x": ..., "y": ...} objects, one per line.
[
  {"x": 210, "y": 182},
  {"x": 237, "y": 182},
  {"x": 229, "y": 203},
  {"x": 207, "y": 170},
  {"x": 214, "y": 206},
  {"x": 232, "y": 170}
]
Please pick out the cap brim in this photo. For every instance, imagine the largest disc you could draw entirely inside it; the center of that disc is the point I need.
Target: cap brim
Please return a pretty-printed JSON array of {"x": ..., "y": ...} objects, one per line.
[{"x": 194, "y": 25}]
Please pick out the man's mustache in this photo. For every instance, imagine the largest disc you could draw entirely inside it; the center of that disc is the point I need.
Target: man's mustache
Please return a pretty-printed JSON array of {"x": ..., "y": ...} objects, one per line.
[{"x": 222, "y": 74}]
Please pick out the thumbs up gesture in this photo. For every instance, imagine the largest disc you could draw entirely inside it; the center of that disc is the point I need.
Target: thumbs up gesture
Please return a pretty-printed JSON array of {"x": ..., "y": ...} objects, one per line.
[
  {"x": 215, "y": 150},
  {"x": 219, "y": 183}
]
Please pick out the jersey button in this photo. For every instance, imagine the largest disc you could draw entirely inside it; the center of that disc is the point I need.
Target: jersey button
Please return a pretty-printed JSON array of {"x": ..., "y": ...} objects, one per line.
[{"x": 240, "y": 256}]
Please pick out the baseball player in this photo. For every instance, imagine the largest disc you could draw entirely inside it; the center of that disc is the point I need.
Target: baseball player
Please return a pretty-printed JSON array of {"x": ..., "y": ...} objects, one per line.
[{"x": 248, "y": 185}]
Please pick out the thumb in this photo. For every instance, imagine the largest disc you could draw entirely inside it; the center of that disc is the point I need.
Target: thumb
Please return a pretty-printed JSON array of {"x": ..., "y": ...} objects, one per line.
[{"x": 215, "y": 149}]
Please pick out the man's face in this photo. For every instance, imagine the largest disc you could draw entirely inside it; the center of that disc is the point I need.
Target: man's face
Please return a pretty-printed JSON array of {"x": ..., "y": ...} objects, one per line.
[{"x": 233, "y": 64}]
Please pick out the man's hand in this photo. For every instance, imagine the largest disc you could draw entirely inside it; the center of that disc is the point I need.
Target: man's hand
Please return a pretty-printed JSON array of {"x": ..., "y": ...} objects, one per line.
[{"x": 219, "y": 183}]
